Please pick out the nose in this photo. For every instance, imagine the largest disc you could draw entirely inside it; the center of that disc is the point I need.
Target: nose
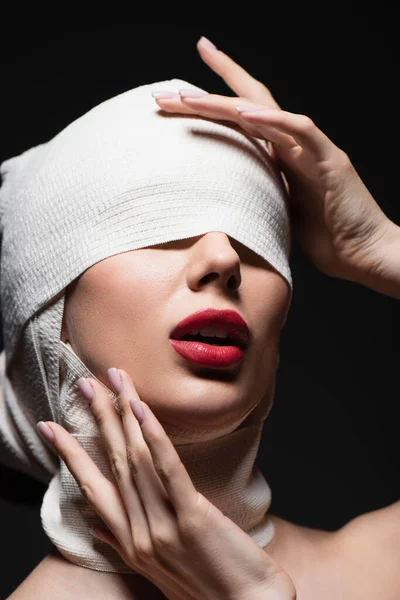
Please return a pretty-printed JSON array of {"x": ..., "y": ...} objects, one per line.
[{"x": 214, "y": 260}]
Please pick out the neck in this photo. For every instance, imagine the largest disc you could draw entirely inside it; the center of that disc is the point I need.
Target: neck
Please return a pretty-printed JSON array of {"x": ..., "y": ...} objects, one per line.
[{"x": 222, "y": 469}]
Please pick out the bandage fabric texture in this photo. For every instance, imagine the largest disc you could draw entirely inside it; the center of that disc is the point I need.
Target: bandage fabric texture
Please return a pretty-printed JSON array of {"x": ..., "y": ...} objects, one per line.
[{"x": 125, "y": 175}]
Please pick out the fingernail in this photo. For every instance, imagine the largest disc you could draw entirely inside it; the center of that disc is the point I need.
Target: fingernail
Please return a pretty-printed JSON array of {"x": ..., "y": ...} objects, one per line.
[
  {"x": 45, "y": 431},
  {"x": 191, "y": 93},
  {"x": 85, "y": 388},
  {"x": 165, "y": 94},
  {"x": 247, "y": 108},
  {"x": 137, "y": 409},
  {"x": 115, "y": 379},
  {"x": 206, "y": 43}
]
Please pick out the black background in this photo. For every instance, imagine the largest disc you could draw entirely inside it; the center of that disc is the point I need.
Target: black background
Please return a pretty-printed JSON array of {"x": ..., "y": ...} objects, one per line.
[{"x": 330, "y": 445}]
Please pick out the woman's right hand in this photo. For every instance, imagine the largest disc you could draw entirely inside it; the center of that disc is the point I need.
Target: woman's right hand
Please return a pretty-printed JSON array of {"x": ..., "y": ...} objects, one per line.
[
  {"x": 334, "y": 218},
  {"x": 155, "y": 519}
]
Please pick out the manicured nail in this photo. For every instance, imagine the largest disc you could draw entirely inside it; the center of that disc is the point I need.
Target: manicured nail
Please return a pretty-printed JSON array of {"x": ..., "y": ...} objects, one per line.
[
  {"x": 165, "y": 94},
  {"x": 137, "y": 409},
  {"x": 85, "y": 388},
  {"x": 191, "y": 93},
  {"x": 45, "y": 431},
  {"x": 247, "y": 108},
  {"x": 206, "y": 43},
  {"x": 115, "y": 379}
]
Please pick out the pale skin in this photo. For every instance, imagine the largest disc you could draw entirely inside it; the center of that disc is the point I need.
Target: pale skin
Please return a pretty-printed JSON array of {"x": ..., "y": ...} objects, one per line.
[{"x": 344, "y": 232}]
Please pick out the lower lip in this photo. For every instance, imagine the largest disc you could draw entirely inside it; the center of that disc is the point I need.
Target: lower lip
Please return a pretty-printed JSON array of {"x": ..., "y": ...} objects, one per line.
[{"x": 208, "y": 355}]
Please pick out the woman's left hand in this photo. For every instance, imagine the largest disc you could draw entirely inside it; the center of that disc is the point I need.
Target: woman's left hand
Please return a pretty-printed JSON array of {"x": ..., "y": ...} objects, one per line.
[
  {"x": 154, "y": 518},
  {"x": 334, "y": 218}
]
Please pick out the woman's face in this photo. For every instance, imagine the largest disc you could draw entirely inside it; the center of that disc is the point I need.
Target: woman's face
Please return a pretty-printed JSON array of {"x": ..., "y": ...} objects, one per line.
[{"x": 120, "y": 313}]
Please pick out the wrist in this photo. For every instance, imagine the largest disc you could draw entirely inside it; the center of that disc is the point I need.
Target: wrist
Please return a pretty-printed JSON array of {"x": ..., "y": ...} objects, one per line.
[{"x": 384, "y": 277}]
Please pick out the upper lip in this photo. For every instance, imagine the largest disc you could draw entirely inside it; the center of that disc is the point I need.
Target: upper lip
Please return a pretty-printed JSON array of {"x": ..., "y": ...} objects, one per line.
[{"x": 227, "y": 320}]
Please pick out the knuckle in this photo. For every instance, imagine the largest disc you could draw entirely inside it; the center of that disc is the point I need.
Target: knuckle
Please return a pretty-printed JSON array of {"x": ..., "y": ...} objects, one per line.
[
  {"x": 155, "y": 437},
  {"x": 193, "y": 520},
  {"x": 306, "y": 124},
  {"x": 162, "y": 536},
  {"x": 98, "y": 414},
  {"x": 144, "y": 551},
  {"x": 168, "y": 469},
  {"x": 86, "y": 491},
  {"x": 154, "y": 432},
  {"x": 262, "y": 87},
  {"x": 119, "y": 465},
  {"x": 135, "y": 456},
  {"x": 189, "y": 528},
  {"x": 343, "y": 160},
  {"x": 125, "y": 409}
]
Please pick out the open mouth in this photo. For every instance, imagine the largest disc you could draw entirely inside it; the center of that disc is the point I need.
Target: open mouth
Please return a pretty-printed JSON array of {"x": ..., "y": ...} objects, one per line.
[
  {"x": 211, "y": 337},
  {"x": 212, "y": 341}
]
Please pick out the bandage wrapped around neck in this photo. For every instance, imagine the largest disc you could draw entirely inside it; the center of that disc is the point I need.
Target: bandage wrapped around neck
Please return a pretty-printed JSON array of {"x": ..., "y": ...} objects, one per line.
[{"x": 125, "y": 175}]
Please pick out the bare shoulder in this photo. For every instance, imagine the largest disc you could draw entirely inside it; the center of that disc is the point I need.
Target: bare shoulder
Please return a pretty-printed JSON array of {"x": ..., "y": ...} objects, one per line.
[
  {"x": 381, "y": 526},
  {"x": 369, "y": 551},
  {"x": 55, "y": 577},
  {"x": 358, "y": 561}
]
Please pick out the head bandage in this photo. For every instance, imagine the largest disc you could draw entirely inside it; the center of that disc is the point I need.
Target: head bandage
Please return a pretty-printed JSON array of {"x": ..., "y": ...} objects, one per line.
[{"x": 123, "y": 176}]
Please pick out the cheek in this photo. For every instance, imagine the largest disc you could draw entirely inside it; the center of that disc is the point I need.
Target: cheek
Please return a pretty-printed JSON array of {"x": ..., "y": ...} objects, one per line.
[
  {"x": 110, "y": 319},
  {"x": 269, "y": 305},
  {"x": 269, "y": 309}
]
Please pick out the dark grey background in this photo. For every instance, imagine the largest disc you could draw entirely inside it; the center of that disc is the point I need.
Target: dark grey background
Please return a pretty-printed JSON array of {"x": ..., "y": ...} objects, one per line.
[{"x": 330, "y": 445}]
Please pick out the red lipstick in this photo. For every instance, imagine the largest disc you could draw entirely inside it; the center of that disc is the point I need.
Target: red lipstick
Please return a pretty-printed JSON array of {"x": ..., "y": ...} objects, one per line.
[{"x": 210, "y": 337}]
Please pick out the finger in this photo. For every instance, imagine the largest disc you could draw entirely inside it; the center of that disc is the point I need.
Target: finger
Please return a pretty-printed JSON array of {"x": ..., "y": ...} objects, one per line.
[
  {"x": 235, "y": 76},
  {"x": 157, "y": 577},
  {"x": 105, "y": 535},
  {"x": 303, "y": 130},
  {"x": 98, "y": 491},
  {"x": 171, "y": 102},
  {"x": 154, "y": 497},
  {"x": 112, "y": 432},
  {"x": 172, "y": 105},
  {"x": 213, "y": 106},
  {"x": 274, "y": 134},
  {"x": 104, "y": 497},
  {"x": 167, "y": 462},
  {"x": 211, "y": 109},
  {"x": 176, "y": 104}
]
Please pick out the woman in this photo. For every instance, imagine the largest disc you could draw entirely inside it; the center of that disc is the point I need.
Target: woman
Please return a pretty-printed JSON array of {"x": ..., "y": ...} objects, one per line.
[{"x": 345, "y": 236}]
